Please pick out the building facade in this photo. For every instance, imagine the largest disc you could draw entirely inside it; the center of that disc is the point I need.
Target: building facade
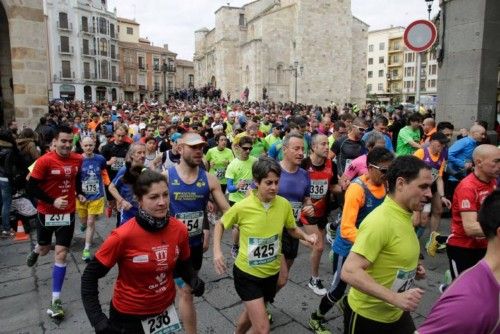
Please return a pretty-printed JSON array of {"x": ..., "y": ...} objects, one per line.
[
  {"x": 149, "y": 72},
  {"x": 392, "y": 69},
  {"x": 83, "y": 50},
  {"x": 23, "y": 62},
  {"x": 305, "y": 50}
]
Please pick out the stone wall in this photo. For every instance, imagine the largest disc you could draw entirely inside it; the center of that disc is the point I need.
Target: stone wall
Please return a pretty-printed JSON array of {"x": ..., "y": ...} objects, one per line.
[{"x": 29, "y": 59}]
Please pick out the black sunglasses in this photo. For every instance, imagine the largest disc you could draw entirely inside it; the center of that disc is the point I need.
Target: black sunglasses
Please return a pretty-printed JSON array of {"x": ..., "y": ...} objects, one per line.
[
  {"x": 246, "y": 148},
  {"x": 380, "y": 169}
]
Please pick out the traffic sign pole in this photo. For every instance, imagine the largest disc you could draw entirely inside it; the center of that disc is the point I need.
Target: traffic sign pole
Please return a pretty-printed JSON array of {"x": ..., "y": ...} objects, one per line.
[{"x": 417, "y": 88}]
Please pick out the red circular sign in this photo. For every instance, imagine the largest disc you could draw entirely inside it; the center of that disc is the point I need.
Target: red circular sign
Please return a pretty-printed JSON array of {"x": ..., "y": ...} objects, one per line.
[{"x": 420, "y": 35}]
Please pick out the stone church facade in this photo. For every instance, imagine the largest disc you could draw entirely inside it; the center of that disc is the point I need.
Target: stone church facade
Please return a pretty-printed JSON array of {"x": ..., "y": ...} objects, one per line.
[
  {"x": 23, "y": 61},
  {"x": 266, "y": 43}
]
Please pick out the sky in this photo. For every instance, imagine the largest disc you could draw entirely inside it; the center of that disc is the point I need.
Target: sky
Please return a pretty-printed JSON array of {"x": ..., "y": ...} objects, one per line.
[{"x": 173, "y": 22}]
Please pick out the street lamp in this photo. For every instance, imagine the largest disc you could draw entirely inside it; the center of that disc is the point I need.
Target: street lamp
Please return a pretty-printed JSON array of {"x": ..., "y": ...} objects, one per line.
[
  {"x": 429, "y": 7},
  {"x": 388, "y": 76},
  {"x": 164, "y": 70},
  {"x": 295, "y": 72}
]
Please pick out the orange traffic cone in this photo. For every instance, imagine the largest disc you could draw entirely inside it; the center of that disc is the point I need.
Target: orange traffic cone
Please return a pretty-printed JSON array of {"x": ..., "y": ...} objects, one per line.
[{"x": 20, "y": 233}]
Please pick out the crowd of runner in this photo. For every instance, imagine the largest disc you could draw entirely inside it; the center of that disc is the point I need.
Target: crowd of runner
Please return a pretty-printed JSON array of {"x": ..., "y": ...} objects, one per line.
[{"x": 363, "y": 184}]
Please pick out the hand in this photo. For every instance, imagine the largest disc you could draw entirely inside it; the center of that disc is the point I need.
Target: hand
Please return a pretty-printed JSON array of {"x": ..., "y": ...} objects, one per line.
[
  {"x": 311, "y": 239},
  {"x": 61, "y": 202},
  {"x": 112, "y": 161},
  {"x": 212, "y": 164},
  {"x": 219, "y": 263},
  {"x": 210, "y": 206},
  {"x": 408, "y": 300},
  {"x": 308, "y": 210},
  {"x": 197, "y": 286},
  {"x": 446, "y": 202},
  {"x": 124, "y": 205},
  {"x": 240, "y": 184},
  {"x": 420, "y": 272},
  {"x": 82, "y": 198},
  {"x": 344, "y": 183}
]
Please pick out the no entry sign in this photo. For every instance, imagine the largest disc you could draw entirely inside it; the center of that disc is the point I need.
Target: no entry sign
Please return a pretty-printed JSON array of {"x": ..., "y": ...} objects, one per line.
[{"x": 420, "y": 35}]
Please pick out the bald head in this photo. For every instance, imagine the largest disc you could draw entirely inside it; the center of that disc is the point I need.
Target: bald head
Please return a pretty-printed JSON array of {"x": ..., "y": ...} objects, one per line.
[
  {"x": 429, "y": 122},
  {"x": 486, "y": 162},
  {"x": 477, "y": 132},
  {"x": 482, "y": 152}
]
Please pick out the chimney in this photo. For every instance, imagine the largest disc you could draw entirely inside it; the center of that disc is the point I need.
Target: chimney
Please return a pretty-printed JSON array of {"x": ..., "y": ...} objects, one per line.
[{"x": 165, "y": 46}]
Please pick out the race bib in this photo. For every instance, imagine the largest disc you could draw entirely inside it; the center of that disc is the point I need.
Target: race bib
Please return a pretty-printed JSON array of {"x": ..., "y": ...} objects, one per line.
[
  {"x": 319, "y": 188},
  {"x": 246, "y": 186},
  {"x": 57, "y": 219},
  {"x": 119, "y": 163},
  {"x": 167, "y": 322},
  {"x": 193, "y": 221},
  {"x": 405, "y": 280},
  {"x": 296, "y": 207},
  {"x": 90, "y": 187},
  {"x": 435, "y": 174},
  {"x": 220, "y": 173},
  {"x": 262, "y": 250}
]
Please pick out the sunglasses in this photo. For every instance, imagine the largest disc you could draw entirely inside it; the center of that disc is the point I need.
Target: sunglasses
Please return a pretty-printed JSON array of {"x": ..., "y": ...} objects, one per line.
[
  {"x": 380, "y": 169},
  {"x": 361, "y": 129},
  {"x": 246, "y": 148}
]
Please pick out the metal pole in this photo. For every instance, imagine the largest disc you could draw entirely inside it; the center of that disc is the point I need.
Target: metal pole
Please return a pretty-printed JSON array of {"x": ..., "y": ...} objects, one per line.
[
  {"x": 417, "y": 88},
  {"x": 296, "y": 76}
]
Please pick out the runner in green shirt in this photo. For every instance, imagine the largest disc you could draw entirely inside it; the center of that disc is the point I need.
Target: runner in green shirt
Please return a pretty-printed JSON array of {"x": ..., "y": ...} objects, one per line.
[
  {"x": 274, "y": 136},
  {"x": 261, "y": 218},
  {"x": 218, "y": 158},
  {"x": 409, "y": 136},
  {"x": 383, "y": 263}
]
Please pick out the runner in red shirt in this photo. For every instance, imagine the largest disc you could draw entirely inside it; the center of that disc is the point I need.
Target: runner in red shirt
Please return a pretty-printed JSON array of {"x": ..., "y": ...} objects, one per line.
[
  {"x": 54, "y": 182},
  {"x": 467, "y": 244},
  {"x": 147, "y": 250}
]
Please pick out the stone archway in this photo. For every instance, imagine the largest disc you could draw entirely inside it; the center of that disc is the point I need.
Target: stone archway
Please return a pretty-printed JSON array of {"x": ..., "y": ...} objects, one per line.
[
  {"x": 23, "y": 37},
  {"x": 6, "y": 85}
]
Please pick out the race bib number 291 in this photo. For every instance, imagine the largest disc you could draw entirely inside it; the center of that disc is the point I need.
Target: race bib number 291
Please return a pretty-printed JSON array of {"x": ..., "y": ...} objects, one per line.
[{"x": 167, "y": 322}]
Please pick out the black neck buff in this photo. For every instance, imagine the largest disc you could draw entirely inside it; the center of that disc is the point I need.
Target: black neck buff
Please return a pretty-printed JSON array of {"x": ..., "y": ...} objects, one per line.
[{"x": 150, "y": 223}]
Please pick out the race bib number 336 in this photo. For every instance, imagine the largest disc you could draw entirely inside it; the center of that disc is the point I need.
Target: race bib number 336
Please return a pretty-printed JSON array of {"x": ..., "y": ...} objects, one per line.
[{"x": 167, "y": 322}]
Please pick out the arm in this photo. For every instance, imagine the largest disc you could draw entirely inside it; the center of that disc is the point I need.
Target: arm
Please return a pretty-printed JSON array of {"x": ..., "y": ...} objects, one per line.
[
  {"x": 354, "y": 273},
  {"x": 440, "y": 189},
  {"x": 219, "y": 263},
  {"x": 297, "y": 233},
  {"x": 453, "y": 154},
  {"x": 231, "y": 187},
  {"x": 471, "y": 225},
  {"x": 217, "y": 193},
  {"x": 354, "y": 200},
  {"x": 90, "y": 294},
  {"x": 35, "y": 191}
]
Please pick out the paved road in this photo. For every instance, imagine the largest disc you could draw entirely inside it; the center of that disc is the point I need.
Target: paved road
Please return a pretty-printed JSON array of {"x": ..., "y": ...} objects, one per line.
[{"x": 25, "y": 292}]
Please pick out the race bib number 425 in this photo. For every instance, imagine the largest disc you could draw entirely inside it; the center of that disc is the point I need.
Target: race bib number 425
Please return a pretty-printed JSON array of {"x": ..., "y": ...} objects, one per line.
[
  {"x": 167, "y": 322},
  {"x": 58, "y": 219},
  {"x": 405, "y": 280},
  {"x": 262, "y": 250}
]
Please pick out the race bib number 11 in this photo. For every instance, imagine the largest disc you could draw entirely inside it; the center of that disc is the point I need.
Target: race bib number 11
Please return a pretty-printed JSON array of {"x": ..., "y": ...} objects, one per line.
[{"x": 167, "y": 322}]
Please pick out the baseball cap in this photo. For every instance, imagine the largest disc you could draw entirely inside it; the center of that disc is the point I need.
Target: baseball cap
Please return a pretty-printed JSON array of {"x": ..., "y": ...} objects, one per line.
[
  {"x": 193, "y": 139},
  {"x": 175, "y": 136}
]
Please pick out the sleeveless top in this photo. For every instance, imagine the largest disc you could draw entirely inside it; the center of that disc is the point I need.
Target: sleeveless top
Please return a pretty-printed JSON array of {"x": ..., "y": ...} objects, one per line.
[
  {"x": 188, "y": 202},
  {"x": 434, "y": 165},
  {"x": 343, "y": 246}
]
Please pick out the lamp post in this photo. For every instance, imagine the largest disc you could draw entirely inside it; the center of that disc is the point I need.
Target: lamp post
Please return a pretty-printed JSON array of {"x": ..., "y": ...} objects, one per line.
[
  {"x": 388, "y": 76},
  {"x": 295, "y": 72},
  {"x": 164, "y": 70},
  {"x": 429, "y": 7}
]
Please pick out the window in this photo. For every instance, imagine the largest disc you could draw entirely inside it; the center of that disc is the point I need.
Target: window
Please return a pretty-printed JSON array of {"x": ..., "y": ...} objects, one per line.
[
  {"x": 381, "y": 46},
  {"x": 380, "y": 86},
  {"x": 103, "y": 25},
  {"x": 170, "y": 86},
  {"x": 380, "y": 73},
  {"x": 104, "y": 69},
  {"x": 370, "y": 48},
  {"x": 242, "y": 20},
  {"x": 128, "y": 77},
  {"x": 191, "y": 79},
  {"x": 156, "y": 64},
  {"x": 370, "y": 61},
  {"x": 113, "y": 51},
  {"x": 369, "y": 87},
  {"x": 409, "y": 57},
  {"x": 380, "y": 60},
  {"x": 63, "y": 20},
  {"x": 113, "y": 73},
  {"x": 395, "y": 72},
  {"x": 86, "y": 70},
  {"x": 66, "y": 69},
  {"x": 103, "y": 47},
  {"x": 432, "y": 69},
  {"x": 431, "y": 83},
  {"x": 64, "y": 44},
  {"x": 279, "y": 75},
  {"x": 130, "y": 31},
  {"x": 85, "y": 47},
  {"x": 112, "y": 30},
  {"x": 141, "y": 63},
  {"x": 370, "y": 74},
  {"x": 85, "y": 24}
]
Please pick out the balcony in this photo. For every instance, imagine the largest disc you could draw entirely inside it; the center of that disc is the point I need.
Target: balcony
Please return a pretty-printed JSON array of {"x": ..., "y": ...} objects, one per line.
[
  {"x": 115, "y": 78},
  {"x": 88, "y": 76},
  {"x": 395, "y": 64},
  {"x": 395, "y": 77},
  {"x": 87, "y": 30},
  {"x": 156, "y": 68},
  {"x": 113, "y": 35},
  {"x": 142, "y": 88},
  {"x": 169, "y": 68},
  {"x": 142, "y": 67},
  {"x": 157, "y": 87},
  {"x": 65, "y": 27},
  {"x": 66, "y": 51},
  {"x": 63, "y": 76},
  {"x": 115, "y": 56},
  {"x": 88, "y": 52}
]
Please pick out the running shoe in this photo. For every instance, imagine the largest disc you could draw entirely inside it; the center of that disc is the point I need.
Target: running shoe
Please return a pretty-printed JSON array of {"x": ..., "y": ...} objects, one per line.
[
  {"x": 31, "y": 259},
  {"x": 331, "y": 232},
  {"x": 441, "y": 247},
  {"x": 447, "y": 281},
  {"x": 330, "y": 255},
  {"x": 55, "y": 310},
  {"x": 316, "y": 323},
  {"x": 317, "y": 286},
  {"x": 83, "y": 227},
  {"x": 269, "y": 315},
  {"x": 234, "y": 251},
  {"x": 86, "y": 255},
  {"x": 432, "y": 245}
]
